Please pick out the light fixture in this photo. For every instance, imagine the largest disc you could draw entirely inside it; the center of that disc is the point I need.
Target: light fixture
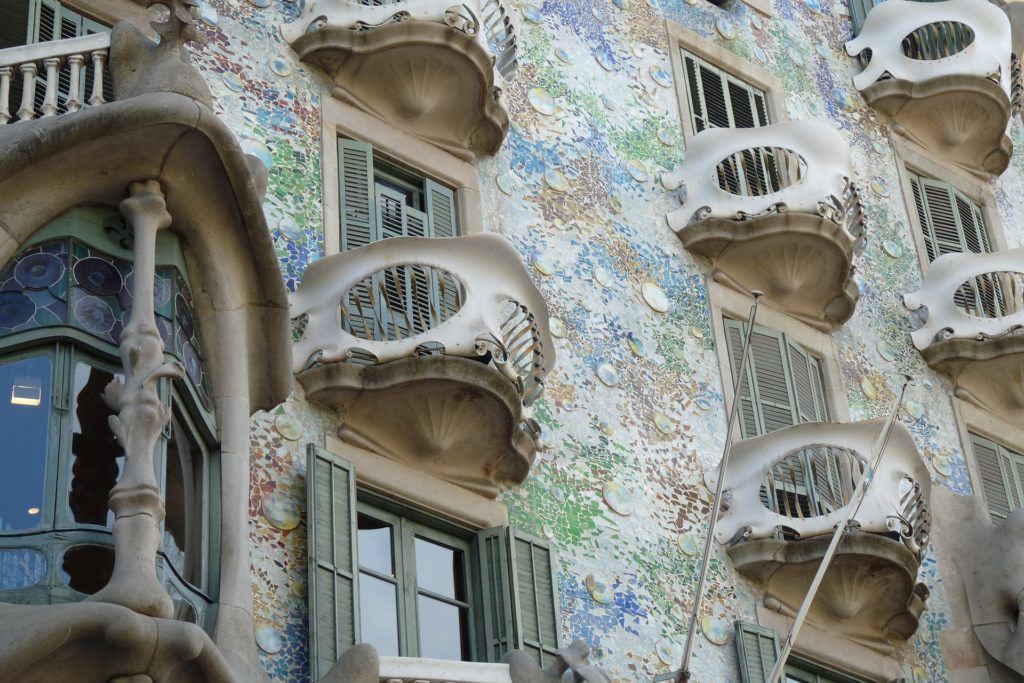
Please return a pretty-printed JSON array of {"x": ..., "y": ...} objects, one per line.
[
  {"x": 33, "y": 511},
  {"x": 25, "y": 395}
]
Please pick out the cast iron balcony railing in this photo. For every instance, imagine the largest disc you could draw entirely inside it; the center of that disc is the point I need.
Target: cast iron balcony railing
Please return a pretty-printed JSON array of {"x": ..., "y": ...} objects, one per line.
[
  {"x": 775, "y": 208},
  {"x": 785, "y": 493},
  {"x": 452, "y": 316},
  {"x": 945, "y": 74},
  {"x": 52, "y": 78},
  {"x": 433, "y": 68},
  {"x": 971, "y": 309}
]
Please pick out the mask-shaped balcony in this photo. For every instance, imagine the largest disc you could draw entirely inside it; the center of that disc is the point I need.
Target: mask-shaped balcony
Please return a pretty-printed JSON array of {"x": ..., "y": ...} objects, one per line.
[
  {"x": 431, "y": 68},
  {"x": 786, "y": 491},
  {"x": 942, "y": 71},
  {"x": 436, "y": 355},
  {"x": 775, "y": 209},
  {"x": 972, "y": 312}
]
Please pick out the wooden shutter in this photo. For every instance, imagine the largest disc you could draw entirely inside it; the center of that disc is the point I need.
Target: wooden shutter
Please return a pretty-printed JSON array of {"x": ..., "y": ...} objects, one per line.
[
  {"x": 445, "y": 294},
  {"x": 333, "y": 562},
  {"x": 356, "y": 194},
  {"x": 859, "y": 12},
  {"x": 750, "y": 424},
  {"x": 758, "y": 650},
  {"x": 1001, "y": 474},
  {"x": 15, "y": 23},
  {"x": 520, "y": 584}
]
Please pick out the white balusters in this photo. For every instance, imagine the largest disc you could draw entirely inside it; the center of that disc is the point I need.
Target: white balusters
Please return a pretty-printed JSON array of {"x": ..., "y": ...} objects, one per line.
[
  {"x": 5, "y": 93},
  {"x": 47, "y": 62}
]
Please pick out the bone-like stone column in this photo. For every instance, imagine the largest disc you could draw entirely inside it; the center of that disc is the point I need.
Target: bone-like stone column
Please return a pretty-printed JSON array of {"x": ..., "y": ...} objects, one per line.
[{"x": 141, "y": 417}]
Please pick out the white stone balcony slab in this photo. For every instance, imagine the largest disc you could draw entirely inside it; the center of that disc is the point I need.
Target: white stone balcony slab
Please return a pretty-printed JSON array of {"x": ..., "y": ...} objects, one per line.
[
  {"x": 415, "y": 670},
  {"x": 972, "y": 312},
  {"x": 787, "y": 490},
  {"x": 942, "y": 71},
  {"x": 774, "y": 208},
  {"x": 38, "y": 70},
  {"x": 437, "y": 352},
  {"x": 430, "y": 67}
]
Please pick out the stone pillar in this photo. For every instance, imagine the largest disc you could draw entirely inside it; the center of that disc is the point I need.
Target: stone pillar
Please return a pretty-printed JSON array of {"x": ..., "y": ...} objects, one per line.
[{"x": 141, "y": 417}]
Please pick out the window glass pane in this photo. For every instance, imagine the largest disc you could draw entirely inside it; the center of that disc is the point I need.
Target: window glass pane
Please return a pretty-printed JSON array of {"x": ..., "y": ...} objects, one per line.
[
  {"x": 444, "y": 630},
  {"x": 87, "y": 568},
  {"x": 378, "y": 612},
  {"x": 21, "y": 568},
  {"x": 97, "y": 458},
  {"x": 25, "y": 403},
  {"x": 375, "y": 542},
  {"x": 183, "y": 497},
  {"x": 439, "y": 569}
]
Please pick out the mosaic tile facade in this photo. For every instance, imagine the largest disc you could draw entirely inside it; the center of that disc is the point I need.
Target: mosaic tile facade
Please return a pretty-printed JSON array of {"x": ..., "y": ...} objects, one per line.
[{"x": 633, "y": 413}]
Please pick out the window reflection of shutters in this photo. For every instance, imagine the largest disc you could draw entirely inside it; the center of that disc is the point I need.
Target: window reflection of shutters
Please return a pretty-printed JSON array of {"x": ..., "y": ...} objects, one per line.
[
  {"x": 333, "y": 597},
  {"x": 358, "y": 222},
  {"x": 758, "y": 650},
  {"x": 1001, "y": 472},
  {"x": 520, "y": 581}
]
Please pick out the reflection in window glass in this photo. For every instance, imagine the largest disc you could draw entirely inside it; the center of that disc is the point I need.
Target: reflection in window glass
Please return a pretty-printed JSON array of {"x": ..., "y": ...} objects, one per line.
[
  {"x": 25, "y": 402},
  {"x": 439, "y": 569},
  {"x": 21, "y": 568},
  {"x": 87, "y": 568},
  {"x": 375, "y": 543},
  {"x": 183, "y": 533},
  {"x": 378, "y": 611},
  {"x": 444, "y": 630},
  {"x": 97, "y": 457}
]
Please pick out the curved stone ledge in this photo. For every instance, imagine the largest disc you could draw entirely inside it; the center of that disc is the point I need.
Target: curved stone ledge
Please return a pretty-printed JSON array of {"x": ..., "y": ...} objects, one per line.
[
  {"x": 802, "y": 262},
  {"x": 431, "y": 80},
  {"x": 962, "y": 117},
  {"x": 454, "y": 418},
  {"x": 869, "y": 595}
]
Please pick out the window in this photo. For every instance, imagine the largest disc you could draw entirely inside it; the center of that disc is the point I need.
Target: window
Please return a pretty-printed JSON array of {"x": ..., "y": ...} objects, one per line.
[
  {"x": 784, "y": 386},
  {"x": 63, "y": 304},
  {"x": 25, "y": 22},
  {"x": 758, "y": 650},
  {"x": 1001, "y": 472},
  {"x": 411, "y": 585}
]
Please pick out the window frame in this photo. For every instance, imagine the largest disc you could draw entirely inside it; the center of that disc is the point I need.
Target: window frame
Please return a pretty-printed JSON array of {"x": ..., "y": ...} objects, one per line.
[
  {"x": 972, "y": 420},
  {"x": 341, "y": 120},
  {"x": 408, "y": 525},
  {"x": 724, "y": 60},
  {"x": 727, "y": 303},
  {"x": 912, "y": 160}
]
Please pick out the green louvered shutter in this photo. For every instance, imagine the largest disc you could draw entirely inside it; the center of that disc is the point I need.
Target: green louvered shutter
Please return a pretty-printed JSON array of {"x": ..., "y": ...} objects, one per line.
[
  {"x": 495, "y": 581},
  {"x": 15, "y": 16},
  {"x": 758, "y": 650},
  {"x": 358, "y": 225},
  {"x": 520, "y": 584},
  {"x": 750, "y": 424},
  {"x": 1001, "y": 472},
  {"x": 332, "y": 591},
  {"x": 441, "y": 211}
]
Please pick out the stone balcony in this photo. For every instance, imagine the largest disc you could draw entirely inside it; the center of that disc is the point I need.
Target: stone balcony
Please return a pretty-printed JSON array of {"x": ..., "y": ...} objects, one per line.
[
  {"x": 944, "y": 73},
  {"x": 436, "y": 355},
  {"x": 971, "y": 307},
  {"x": 774, "y": 208},
  {"x": 431, "y": 68},
  {"x": 786, "y": 491}
]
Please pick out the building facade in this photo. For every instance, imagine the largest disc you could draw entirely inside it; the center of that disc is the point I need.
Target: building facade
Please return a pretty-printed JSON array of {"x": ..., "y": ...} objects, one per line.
[{"x": 447, "y": 319}]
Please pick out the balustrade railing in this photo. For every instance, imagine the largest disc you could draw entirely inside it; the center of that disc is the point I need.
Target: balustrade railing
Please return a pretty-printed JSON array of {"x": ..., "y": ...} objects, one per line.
[
  {"x": 969, "y": 296},
  {"x": 47, "y": 79},
  {"x": 415, "y": 670},
  {"x": 466, "y": 296},
  {"x": 795, "y": 483}
]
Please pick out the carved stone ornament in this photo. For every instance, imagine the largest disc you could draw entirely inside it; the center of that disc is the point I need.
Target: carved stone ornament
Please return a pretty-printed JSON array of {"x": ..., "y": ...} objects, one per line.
[
  {"x": 361, "y": 664},
  {"x": 990, "y": 559},
  {"x": 870, "y": 594},
  {"x": 958, "y": 106},
  {"x": 794, "y": 233},
  {"x": 430, "y": 68},
  {"x": 450, "y": 395},
  {"x": 984, "y": 351}
]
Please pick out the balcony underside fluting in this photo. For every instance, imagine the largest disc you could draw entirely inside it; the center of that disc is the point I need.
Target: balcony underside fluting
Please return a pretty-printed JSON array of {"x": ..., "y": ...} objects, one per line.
[{"x": 961, "y": 118}]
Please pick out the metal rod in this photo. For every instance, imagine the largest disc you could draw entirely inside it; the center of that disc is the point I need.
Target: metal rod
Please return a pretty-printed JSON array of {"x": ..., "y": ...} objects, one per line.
[
  {"x": 877, "y": 450},
  {"x": 683, "y": 673}
]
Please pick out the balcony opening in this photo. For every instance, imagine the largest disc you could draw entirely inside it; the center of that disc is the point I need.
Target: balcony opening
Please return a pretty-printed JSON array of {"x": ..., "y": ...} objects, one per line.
[
  {"x": 992, "y": 295},
  {"x": 937, "y": 41},
  {"x": 811, "y": 482},
  {"x": 760, "y": 171}
]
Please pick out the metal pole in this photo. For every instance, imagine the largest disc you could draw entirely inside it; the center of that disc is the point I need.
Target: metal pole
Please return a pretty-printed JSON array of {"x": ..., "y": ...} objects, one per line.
[
  {"x": 851, "y": 511},
  {"x": 683, "y": 673}
]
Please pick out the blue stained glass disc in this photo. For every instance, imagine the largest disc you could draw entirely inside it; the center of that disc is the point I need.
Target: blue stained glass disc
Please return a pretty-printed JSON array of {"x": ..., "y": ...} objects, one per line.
[
  {"x": 39, "y": 271},
  {"x": 94, "y": 315},
  {"x": 15, "y": 309},
  {"x": 98, "y": 276}
]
